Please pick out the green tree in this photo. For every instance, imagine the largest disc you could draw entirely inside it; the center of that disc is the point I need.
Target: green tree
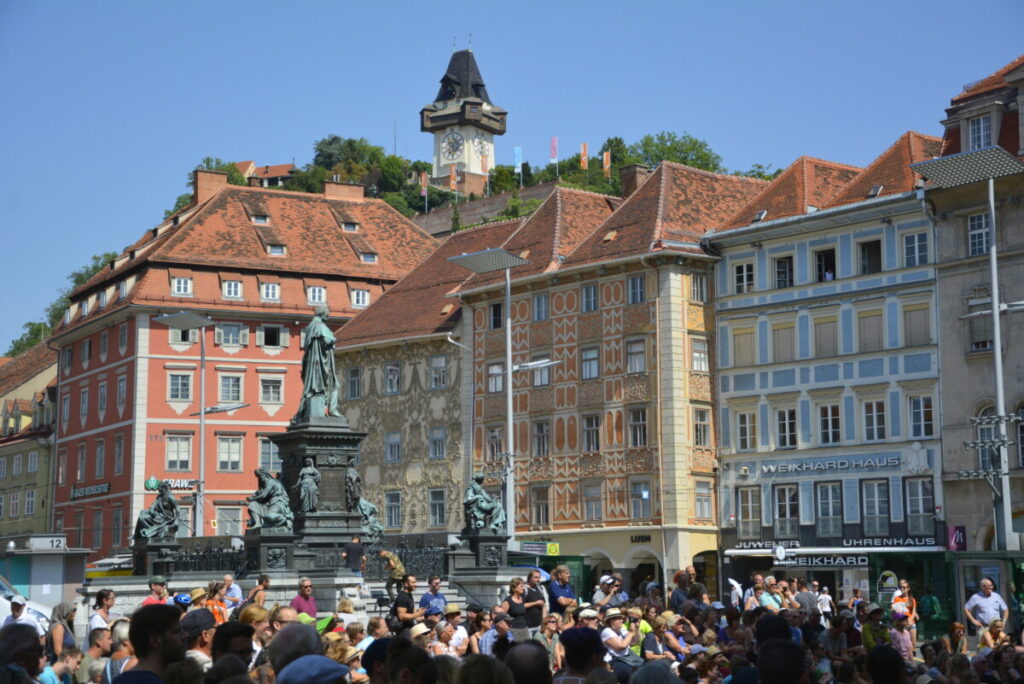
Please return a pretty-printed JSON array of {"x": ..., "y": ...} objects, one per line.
[
  {"x": 762, "y": 171},
  {"x": 398, "y": 201},
  {"x": 683, "y": 149},
  {"x": 421, "y": 166},
  {"x": 620, "y": 152},
  {"x": 310, "y": 178},
  {"x": 503, "y": 179},
  {"x": 333, "y": 150},
  {"x": 456, "y": 220},
  {"x": 393, "y": 173},
  {"x": 235, "y": 177},
  {"x": 36, "y": 330}
]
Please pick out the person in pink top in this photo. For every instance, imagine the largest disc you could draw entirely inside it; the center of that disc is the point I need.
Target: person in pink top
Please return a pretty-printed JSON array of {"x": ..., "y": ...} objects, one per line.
[
  {"x": 304, "y": 602},
  {"x": 899, "y": 636}
]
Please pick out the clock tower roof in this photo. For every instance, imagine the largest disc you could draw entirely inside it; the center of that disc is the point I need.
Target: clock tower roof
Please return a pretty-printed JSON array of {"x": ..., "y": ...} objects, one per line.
[{"x": 462, "y": 79}]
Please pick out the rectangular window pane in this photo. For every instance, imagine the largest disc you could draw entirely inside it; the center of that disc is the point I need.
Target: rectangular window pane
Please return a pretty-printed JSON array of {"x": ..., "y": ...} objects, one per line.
[
  {"x": 979, "y": 131},
  {"x": 589, "y": 297},
  {"x": 702, "y": 499},
  {"x": 229, "y": 453},
  {"x": 746, "y": 431},
  {"x": 786, "y": 426},
  {"x": 915, "y": 249},
  {"x": 496, "y": 377},
  {"x": 869, "y": 329},
  {"x": 540, "y": 307},
  {"x": 229, "y": 521},
  {"x": 981, "y": 330},
  {"x": 541, "y": 435},
  {"x": 589, "y": 368},
  {"x": 100, "y": 465},
  {"x": 438, "y": 507},
  {"x": 784, "y": 343},
  {"x": 743, "y": 348},
  {"x": 699, "y": 360},
  {"x": 393, "y": 447},
  {"x": 592, "y": 502},
  {"x": 921, "y": 421},
  {"x": 270, "y": 391},
  {"x": 748, "y": 523},
  {"x": 541, "y": 513},
  {"x": 438, "y": 371},
  {"x": 830, "y": 513},
  {"x": 270, "y": 456},
  {"x": 437, "y": 443},
  {"x": 231, "y": 388},
  {"x": 876, "y": 507},
  {"x": 698, "y": 288},
  {"x": 495, "y": 443},
  {"x": 542, "y": 376},
  {"x": 979, "y": 237},
  {"x": 825, "y": 339},
  {"x": 743, "y": 278},
  {"x": 701, "y": 427},
  {"x": 591, "y": 433},
  {"x": 496, "y": 315},
  {"x": 784, "y": 272},
  {"x": 636, "y": 356},
  {"x": 870, "y": 257},
  {"x": 353, "y": 383},
  {"x": 917, "y": 326},
  {"x": 640, "y": 499},
  {"x": 920, "y": 506},
  {"x": 392, "y": 377},
  {"x": 787, "y": 523},
  {"x": 393, "y": 509},
  {"x": 636, "y": 289},
  {"x": 874, "y": 420},
  {"x": 829, "y": 423},
  {"x": 638, "y": 427}
]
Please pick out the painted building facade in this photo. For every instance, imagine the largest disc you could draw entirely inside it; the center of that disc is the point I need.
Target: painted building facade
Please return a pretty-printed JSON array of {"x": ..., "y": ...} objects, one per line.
[
  {"x": 256, "y": 262},
  {"x": 828, "y": 375}
]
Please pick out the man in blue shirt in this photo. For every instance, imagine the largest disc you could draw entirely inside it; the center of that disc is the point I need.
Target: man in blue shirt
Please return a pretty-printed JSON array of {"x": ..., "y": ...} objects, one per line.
[
  {"x": 233, "y": 595},
  {"x": 502, "y": 628},
  {"x": 560, "y": 594},
  {"x": 433, "y": 600}
]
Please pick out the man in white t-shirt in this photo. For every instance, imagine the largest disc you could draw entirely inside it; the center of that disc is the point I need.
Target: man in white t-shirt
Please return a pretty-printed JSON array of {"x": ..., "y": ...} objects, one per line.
[
  {"x": 460, "y": 640},
  {"x": 20, "y": 616}
]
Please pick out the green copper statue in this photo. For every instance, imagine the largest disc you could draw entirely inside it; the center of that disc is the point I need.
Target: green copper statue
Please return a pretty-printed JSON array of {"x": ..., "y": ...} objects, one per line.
[
  {"x": 484, "y": 513},
  {"x": 268, "y": 506},
  {"x": 319, "y": 379},
  {"x": 160, "y": 520}
]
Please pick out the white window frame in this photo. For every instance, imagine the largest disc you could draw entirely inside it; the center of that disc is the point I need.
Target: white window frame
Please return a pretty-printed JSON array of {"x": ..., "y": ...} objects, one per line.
[
  {"x": 640, "y": 499},
  {"x": 540, "y": 506},
  {"x": 393, "y": 447},
  {"x": 922, "y": 416},
  {"x": 439, "y": 371},
  {"x": 748, "y": 512},
  {"x": 270, "y": 456},
  {"x": 828, "y": 501},
  {"x": 353, "y": 382},
  {"x": 590, "y": 363},
  {"x": 392, "y": 377},
  {"x": 702, "y": 502},
  {"x": 542, "y": 376},
  {"x": 876, "y": 507},
  {"x": 698, "y": 288},
  {"x": 496, "y": 377},
  {"x": 181, "y": 287},
  {"x": 30, "y": 502},
  {"x": 541, "y": 434},
  {"x": 173, "y": 444},
  {"x": 591, "y": 426},
  {"x": 920, "y": 493},
  {"x": 231, "y": 289},
  {"x": 368, "y": 257},
  {"x": 787, "y": 511},
  {"x": 269, "y": 383},
  {"x": 874, "y": 420},
  {"x": 438, "y": 443},
  {"x": 743, "y": 278},
  {"x": 32, "y": 465},
  {"x": 437, "y": 505},
  {"x": 360, "y": 298},
  {"x": 15, "y": 506},
  {"x": 702, "y": 427},
  {"x": 593, "y": 501},
  {"x": 540, "y": 307},
  {"x": 979, "y": 234},
  {"x": 699, "y": 360},
  {"x": 227, "y": 383},
  {"x": 276, "y": 250},
  {"x": 495, "y": 442},
  {"x": 829, "y": 425},
  {"x": 16, "y": 466},
  {"x": 588, "y": 298},
  {"x": 746, "y": 431},
  {"x": 636, "y": 356},
  {"x": 785, "y": 428},
  {"x": 174, "y": 386},
  {"x": 270, "y": 292},
  {"x": 316, "y": 294},
  {"x": 637, "y": 427},
  {"x": 393, "y": 510},
  {"x": 979, "y": 132},
  {"x": 637, "y": 289},
  {"x": 783, "y": 271},
  {"x": 988, "y": 457},
  {"x": 915, "y": 249},
  {"x": 230, "y": 453}
]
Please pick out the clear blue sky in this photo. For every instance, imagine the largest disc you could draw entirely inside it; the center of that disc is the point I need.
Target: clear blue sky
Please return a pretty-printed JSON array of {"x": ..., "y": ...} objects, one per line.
[{"x": 107, "y": 105}]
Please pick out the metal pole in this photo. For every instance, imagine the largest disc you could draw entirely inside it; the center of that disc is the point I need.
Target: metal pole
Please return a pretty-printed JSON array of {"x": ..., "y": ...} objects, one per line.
[
  {"x": 200, "y": 527},
  {"x": 510, "y": 488},
  {"x": 1007, "y": 540}
]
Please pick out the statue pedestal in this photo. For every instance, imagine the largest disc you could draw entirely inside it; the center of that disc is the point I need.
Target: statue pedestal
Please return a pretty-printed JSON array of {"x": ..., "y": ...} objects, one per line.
[
  {"x": 154, "y": 556},
  {"x": 321, "y": 533},
  {"x": 270, "y": 549},
  {"x": 485, "y": 551}
]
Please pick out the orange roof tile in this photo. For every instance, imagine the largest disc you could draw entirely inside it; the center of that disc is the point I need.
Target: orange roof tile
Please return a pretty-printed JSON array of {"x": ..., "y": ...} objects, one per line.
[
  {"x": 891, "y": 169},
  {"x": 552, "y": 232},
  {"x": 989, "y": 83},
  {"x": 419, "y": 304},
  {"x": 273, "y": 170},
  {"x": 676, "y": 202},
  {"x": 27, "y": 365},
  {"x": 808, "y": 182},
  {"x": 220, "y": 235}
]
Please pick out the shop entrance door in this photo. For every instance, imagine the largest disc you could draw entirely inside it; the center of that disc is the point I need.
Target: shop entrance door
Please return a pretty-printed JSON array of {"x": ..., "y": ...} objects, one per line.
[{"x": 971, "y": 572}]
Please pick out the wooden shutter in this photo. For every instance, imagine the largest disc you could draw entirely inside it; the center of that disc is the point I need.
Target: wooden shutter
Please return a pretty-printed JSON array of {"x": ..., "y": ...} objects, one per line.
[
  {"x": 916, "y": 325},
  {"x": 284, "y": 336},
  {"x": 193, "y": 335},
  {"x": 783, "y": 341},
  {"x": 869, "y": 329},
  {"x": 218, "y": 335},
  {"x": 259, "y": 336},
  {"x": 243, "y": 336},
  {"x": 743, "y": 348},
  {"x": 825, "y": 339}
]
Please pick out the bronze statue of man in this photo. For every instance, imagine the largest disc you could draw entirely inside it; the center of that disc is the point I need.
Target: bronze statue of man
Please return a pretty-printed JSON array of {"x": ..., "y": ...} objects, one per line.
[{"x": 319, "y": 378}]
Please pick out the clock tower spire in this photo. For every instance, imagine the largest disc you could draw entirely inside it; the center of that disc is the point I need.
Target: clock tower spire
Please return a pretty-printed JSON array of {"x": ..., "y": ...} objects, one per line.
[{"x": 464, "y": 122}]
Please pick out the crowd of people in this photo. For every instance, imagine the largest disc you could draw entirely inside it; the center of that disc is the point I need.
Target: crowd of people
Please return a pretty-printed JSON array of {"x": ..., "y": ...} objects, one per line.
[{"x": 542, "y": 632}]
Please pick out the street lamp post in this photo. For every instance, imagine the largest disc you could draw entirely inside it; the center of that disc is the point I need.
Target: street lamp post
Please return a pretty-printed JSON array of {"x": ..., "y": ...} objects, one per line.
[
  {"x": 488, "y": 261},
  {"x": 952, "y": 171},
  {"x": 190, "y": 320}
]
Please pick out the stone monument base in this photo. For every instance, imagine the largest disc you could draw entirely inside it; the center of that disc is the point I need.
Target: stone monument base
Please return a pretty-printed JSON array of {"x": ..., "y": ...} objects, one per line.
[
  {"x": 154, "y": 556},
  {"x": 484, "y": 551}
]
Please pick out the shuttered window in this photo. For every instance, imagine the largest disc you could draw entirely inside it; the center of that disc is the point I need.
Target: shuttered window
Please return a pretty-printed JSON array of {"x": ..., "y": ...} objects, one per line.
[
  {"x": 743, "y": 348},
  {"x": 825, "y": 338},
  {"x": 916, "y": 325},
  {"x": 783, "y": 342},
  {"x": 869, "y": 331}
]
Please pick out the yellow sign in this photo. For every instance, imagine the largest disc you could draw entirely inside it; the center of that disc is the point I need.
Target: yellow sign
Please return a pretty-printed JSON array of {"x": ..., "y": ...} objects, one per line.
[{"x": 553, "y": 549}]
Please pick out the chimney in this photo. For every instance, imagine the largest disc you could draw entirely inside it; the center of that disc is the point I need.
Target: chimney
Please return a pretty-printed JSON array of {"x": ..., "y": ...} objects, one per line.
[
  {"x": 631, "y": 177},
  {"x": 206, "y": 184},
  {"x": 343, "y": 191},
  {"x": 255, "y": 182}
]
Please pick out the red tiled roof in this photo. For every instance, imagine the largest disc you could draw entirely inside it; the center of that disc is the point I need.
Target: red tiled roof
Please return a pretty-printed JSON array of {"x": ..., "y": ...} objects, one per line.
[
  {"x": 4, "y": 360},
  {"x": 807, "y": 182},
  {"x": 552, "y": 232},
  {"x": 891, "y": 169},
  {"x": 989, "y": 83},
  {"x": 273, "y": 170},
  {"x": 244, "y": 166},
  {"x": 419, "y": 304},
  {"x": 25, "y": 366},
  {"x": 676, "y": 202},
  {"x": 219, "y": 236},
  {"x": 950, "y": 141}
]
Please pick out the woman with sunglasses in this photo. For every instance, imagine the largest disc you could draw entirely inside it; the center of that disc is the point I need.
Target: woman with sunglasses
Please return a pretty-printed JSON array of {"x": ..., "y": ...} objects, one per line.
[
  {"x": 548, "y": 637},
  {"x": 481, "y": 624}
]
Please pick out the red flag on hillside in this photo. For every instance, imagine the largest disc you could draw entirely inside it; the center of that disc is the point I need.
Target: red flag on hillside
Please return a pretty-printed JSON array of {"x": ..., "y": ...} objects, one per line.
[
  {"x": 584, "y": 156},
  {"x": 423, "y": 183},
  {"x": 554, "y": 149},
  {"x": 452, "y": 178},
  {"x": 608, "y": 164}
]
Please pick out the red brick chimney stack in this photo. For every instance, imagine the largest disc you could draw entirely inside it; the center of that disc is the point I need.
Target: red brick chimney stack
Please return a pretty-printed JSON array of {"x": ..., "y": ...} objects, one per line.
[
  {"x": 343, "y": 191},
  {"x": 206, "y": 184},
  {"x": 631, "y": 177}
]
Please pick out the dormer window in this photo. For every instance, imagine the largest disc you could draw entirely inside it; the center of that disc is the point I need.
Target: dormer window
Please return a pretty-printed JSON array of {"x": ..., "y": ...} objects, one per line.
[
  {"x": 101, "y": 299},
  {"x": 181, "y": 287},
  {"x": 350, "y": 226},
  {"x": 979, "y": 130},
  {"x": 316, "y": 294},
  {"x": 122, "y": 289},
  {"x": 232, "y": 289},
  {"x": 270, "y": 291},
  {"x": 85, "y": 308},
  {"x": 275, "y": 250},
  {"x": 370, "y": 257},
  {"x": 360, "y": 298},
  {"x": 260, "y": 218}
]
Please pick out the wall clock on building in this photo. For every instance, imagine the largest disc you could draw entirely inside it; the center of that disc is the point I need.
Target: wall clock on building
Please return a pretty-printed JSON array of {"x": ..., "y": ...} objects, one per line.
[
  {"x": 480, "y": 145},
  {"x": 451, "y": 145}
]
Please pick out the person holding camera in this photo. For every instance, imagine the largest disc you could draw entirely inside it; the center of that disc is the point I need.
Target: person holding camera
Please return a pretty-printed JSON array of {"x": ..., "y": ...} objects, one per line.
[{"x": 617, "y": 639}]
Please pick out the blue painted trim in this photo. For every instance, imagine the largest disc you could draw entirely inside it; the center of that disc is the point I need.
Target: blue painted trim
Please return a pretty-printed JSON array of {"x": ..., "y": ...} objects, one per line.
[
  {"x": 763, "y": 432},
  {"x": 803, "y": 264},
  {"x": 851, "y": 501},
  {"x": 846, "y": 331},
  {"x": 805, "y": 421},
  {"x": 762, "y": 341},
  {"x": 803, "y": 329},
  {"x": 849, "y": 419},
  {"x": 726, "y": 428},
  {"x": 844, "y": 258},
  {"x": 896, "y": 423},
  {"x": 896, "y": 498},
  {"x": 892, "y": 323}
]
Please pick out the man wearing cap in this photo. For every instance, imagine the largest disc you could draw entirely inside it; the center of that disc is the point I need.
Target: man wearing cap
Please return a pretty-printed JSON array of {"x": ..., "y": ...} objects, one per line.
[
  {"x": 874, "y": 632},
  {"x": 588, "y": 617},
  {"x": 560, "y": 593},
  {"x": 20, "y": 616},
  {"x": 157, "y": 592},
  {"x": 605, "y": 592},
  {"x": 460, "y": 639},
  {"x": 198, "y": 626},
  {"x": 502, "y": 628}
]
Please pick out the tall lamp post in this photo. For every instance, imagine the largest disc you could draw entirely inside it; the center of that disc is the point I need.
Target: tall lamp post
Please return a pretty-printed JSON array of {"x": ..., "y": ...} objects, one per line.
[
  {"x": 952, "y": 171},
  {"x": 190, "y": 320},
  {"x": 488, "y": 261}
]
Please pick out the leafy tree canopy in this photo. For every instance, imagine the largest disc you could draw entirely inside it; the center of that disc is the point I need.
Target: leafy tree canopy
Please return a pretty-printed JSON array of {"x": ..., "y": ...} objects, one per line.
[
  {"x": 235, "y": 177},
  {"x": 333, "y": 150},
  {"x": 683, "y": 149}
]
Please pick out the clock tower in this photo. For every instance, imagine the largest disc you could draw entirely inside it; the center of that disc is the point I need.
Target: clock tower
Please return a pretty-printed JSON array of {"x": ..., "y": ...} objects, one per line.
[{"x": 464, "y": 123}]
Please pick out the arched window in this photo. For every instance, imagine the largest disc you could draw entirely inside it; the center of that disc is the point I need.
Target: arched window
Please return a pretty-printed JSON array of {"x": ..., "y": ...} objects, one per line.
[{"x": 988, "y": 457}]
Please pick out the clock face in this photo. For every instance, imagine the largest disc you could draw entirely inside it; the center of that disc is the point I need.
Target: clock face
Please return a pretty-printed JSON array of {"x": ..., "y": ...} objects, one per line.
[
  {"x": 451, "y": 145},
  {"x": 480, "y": 145}
]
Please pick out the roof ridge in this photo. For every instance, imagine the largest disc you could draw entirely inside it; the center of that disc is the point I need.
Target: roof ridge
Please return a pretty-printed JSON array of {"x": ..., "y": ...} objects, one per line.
[
  {"x": 587, "y": 192},
  {"x": 829, "y": 162},
  {"x": 714, "y": 174},
  {"x": 659, "y": 216},
  {"x": 557, "y": 238},
  {"x": 1000, "y": 72}
]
